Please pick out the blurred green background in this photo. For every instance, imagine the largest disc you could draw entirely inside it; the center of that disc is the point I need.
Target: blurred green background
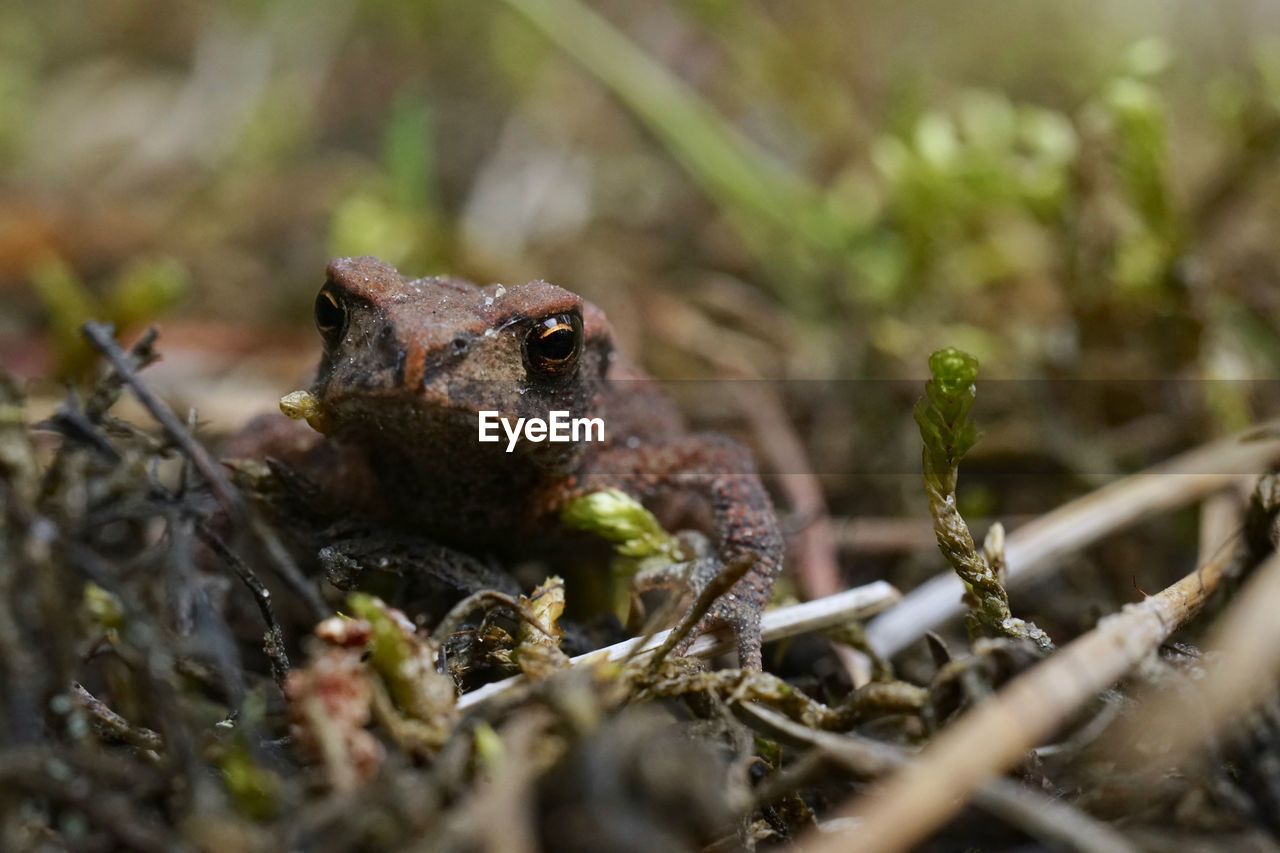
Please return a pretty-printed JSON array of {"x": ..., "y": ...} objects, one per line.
[{"x": 788, "y": 190}]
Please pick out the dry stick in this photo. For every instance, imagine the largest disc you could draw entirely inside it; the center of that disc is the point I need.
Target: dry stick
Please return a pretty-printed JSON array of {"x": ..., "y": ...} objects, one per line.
[
  {"x": 1221, "y": 515},
  {"x": 1048, "y": 819},
  {"x": 70, "y": 414},
  {"x": 273, "y": 640},
  {"x": 114, "y": 725},
  {"x": 998, "y": 733},
  {"x": 464, "y": 608},
  {"x": 1036, "y": 546},
  {"x": 1015, "y": 803},
  {"x": 1245, "y": 645},
  {"x": 873, "y": 536},
  {"x": 102, "y": 336},
  {"x": 288, "y": 569},
  {"x": 1248, "y": 636},
  {"x": 857, "y": 603}
]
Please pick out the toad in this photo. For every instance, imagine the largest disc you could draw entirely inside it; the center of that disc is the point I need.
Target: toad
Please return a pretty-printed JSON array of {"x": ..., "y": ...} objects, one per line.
[{"x": 410, "y": 365}]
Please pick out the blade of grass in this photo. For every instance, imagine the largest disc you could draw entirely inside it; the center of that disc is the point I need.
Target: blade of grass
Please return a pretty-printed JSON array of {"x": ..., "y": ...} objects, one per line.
[{"x": 735, "y": 172}]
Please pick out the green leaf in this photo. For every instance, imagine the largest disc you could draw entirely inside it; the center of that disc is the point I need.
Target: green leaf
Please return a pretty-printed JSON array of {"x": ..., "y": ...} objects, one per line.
[
  {"x": 943, "y": 414},
  {"x": 622, "y": 520},
  {"x": 953, "y": 369}
]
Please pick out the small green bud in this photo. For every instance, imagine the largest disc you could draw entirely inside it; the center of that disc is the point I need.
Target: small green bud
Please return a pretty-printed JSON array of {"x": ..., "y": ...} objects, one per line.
[{"x": 622, "y": 520}]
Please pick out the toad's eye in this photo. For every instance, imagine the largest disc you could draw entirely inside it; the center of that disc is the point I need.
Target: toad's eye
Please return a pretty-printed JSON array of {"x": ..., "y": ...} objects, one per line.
[
  {"x": 331, "y": 317},
  {"x": 552, "y": 346}
]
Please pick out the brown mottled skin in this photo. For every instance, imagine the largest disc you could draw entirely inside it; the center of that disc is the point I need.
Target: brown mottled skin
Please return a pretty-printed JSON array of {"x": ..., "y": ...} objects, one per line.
[{"x": 407, "y": 366}]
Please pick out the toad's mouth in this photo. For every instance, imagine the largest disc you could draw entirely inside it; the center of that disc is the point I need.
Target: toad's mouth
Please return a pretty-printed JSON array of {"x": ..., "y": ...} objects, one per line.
[{"x": 378, "y": 420}]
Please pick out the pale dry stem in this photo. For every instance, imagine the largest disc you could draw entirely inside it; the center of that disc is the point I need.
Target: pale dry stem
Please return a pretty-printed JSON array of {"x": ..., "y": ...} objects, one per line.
[
  {"x": 1039, "y": 545},
  {"x": 1245, "y": 648},
  {"x": 852, "y": 604},
  {"x": 997, "y": 734}
]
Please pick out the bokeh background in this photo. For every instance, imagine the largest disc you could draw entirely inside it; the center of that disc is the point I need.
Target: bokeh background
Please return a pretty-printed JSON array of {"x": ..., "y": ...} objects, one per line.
[{"x": 816, "y": 191}]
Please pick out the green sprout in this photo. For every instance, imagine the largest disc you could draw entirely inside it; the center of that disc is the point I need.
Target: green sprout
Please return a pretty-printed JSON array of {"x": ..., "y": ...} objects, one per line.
[
  {"x": 639, "y": 541},
  {"x": 255, "y": 789},
  {"x": 622, "y": 520},
  {"x": 406, "y": 664},
  {"x": 948, "y": 434}
]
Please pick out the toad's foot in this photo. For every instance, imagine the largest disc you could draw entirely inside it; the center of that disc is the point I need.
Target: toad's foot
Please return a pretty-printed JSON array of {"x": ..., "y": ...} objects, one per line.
[
  {"x": 422, "y": 566},
  {"x": 717, "y": 603}
]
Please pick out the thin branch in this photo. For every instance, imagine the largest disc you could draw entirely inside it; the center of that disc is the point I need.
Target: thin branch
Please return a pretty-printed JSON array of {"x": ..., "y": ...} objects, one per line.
[
  {"x": 1041, "y": 544},
  {"x": 466, "y": 606},
  {"x": 109, "y": 723},
  {"x": 865, "y": 757},
  {"x": 102, "y": 336},
  {"x": 997, "y": 734},
  {"x": 288, "y": 570},
  {"x": 1041, "y": 817},
  {"x": 852, "y": 604},
  {"x": 273, "y": 639},
  {"x": 1049, "y": 820},
  {"x": 1245, "y": 643}
]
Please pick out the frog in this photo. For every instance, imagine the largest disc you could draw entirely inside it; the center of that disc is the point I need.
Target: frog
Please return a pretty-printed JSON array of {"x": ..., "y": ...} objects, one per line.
[{"x": 410, "y": 367}]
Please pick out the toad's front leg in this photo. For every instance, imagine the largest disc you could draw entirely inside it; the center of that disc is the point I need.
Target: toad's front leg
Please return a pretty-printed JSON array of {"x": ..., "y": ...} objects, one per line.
[{"x": 719, "y": 471}]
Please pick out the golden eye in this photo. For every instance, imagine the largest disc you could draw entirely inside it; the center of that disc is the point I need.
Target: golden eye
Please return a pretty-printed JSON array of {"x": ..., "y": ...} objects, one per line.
[
  {"x": 553, "y": 344},
  {"x": 331, "y": 317}
]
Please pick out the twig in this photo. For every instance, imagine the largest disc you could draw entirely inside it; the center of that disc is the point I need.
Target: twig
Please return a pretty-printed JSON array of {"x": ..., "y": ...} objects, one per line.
[
  {"x": 463, "y": 608},
  {"x": 857, "y": 603},
  {"x": 103, "y": 397},
  {"x": 71, "y": 422},
  {"x": 110, "y": 723},
  {"x": 883, "y": 535},
  {"x": 273, "y": 639},
  {"x": 998, "y": 733},
  {"x": 108, "y": 390},
  {"x": 1245, "y": 643},
  {"x": 102, "y": 336},
  {"x": 106, "y": 789},
  {"x": 1220, "y": 515},
  {"x": 1031, "y": 811},
  {"x": 288, "y": 570},
  {"x": 1048, "y": 819},
  {"x": 1037, "y": 545},
  {"x": 865, "y": 757}
]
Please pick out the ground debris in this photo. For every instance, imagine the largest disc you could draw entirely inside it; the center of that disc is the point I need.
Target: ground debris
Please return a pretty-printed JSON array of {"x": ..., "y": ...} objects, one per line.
[{"x": 173, "y": 680}]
